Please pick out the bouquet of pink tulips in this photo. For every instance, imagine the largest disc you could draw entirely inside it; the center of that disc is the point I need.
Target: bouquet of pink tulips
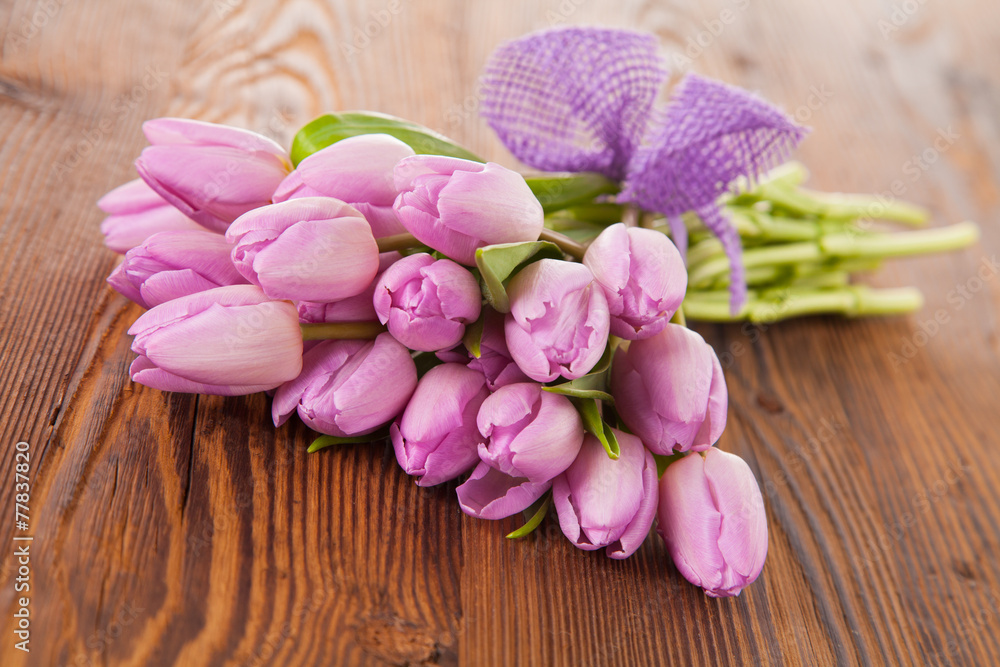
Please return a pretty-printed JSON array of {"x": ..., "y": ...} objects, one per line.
[{"x": 524, "y": 335}]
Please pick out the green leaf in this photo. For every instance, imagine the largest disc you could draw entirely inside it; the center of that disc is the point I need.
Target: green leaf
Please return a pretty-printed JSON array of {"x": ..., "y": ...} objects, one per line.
[
  {"x": 664, "y": 460},
  {"x": 497, "y": 263},
  {"x": 324, "y": 441},
  {"x": 559, "y": 192},
  {"x": 473, "y": 337},
  {"x": 593, "y": 385},
  {"x": 331, "y": 128},
  {"x": 594, "y": 424},
  {"x": 425, "y": 361},
  {"x": 535, "y": 520}
]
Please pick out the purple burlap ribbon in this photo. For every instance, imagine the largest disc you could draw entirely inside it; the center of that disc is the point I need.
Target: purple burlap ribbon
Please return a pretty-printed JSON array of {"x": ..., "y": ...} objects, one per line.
[{"x": 582, "y": 99}]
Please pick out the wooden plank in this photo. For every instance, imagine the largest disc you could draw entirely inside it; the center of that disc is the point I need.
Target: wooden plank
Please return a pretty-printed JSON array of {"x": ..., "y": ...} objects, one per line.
[{"x": 175, "y": 530}]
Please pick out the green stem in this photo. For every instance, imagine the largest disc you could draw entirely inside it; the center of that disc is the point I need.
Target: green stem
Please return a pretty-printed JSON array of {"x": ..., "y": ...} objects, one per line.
[
  {"x": 784, "y": 303},
  {"x": 565, "y": 243},
  {"x": 534, "y": 521},
  {"x": 341, "y": 331},
  {"x": 397, "y": 242},
  {"x": 940, "y": 239}
]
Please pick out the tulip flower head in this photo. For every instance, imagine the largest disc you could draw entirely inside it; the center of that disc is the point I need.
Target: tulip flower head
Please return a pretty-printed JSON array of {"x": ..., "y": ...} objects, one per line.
[
  {"x": 437, "y": 438},
  {"x": 169, "y": 265},
  {"x": 608, "y": 503},
  {"x": 711, "y": 515},
  {"x": 312, "y": 249},
  {"x": 558, "y": 322},
  {"x": 349, "y": 387},
  {"x": 136, "y": 212},
  {"x": 356, "y": 170},
  {"x": 643, "y": 277},
  {"x": 670, "y": 391},
  {"x": 228, "y": 341},
  {"x": 211, "y": 173},
  {"x": 456, "y": 206},
  {"x": 426, "y": 303},
  {"x": 531, "y": 433}
]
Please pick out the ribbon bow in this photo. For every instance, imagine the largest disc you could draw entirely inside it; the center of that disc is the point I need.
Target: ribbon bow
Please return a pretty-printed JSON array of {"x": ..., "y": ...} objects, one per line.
[{"x": 582, "y": 99}]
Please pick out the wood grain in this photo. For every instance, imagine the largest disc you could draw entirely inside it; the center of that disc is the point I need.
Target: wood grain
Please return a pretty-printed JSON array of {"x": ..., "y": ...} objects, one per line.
[{"x": 178, "y": 530}]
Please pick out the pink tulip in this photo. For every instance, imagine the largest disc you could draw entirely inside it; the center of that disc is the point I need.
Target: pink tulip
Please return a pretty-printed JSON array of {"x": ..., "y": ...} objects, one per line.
[
  {"x": 313, "y": 249},
  {"x": 531, "y": 433},
  {"x": 456, "y": 206},
  {"x": 426, "y": 303},
  {"x": 437, "y": 439},
  {"x": 712, "y": 517},
  {"x": 605, "y": 503},
  {"x": 491, "y": 494},
  {"x": 169, "y": 265},
  {"x": 357, "y": 170},
  {"x": 643, "y": 277},
  {"x": 136, "y": 212},
  {"x": 228, "y": 341},
  {"x": 349, "y": 387},
  {"x": 358, "y": 308},
  {"x": 211, "y": 173},
  {"x": 558, "y": 322},
  {"x": 670, "y": 390}
]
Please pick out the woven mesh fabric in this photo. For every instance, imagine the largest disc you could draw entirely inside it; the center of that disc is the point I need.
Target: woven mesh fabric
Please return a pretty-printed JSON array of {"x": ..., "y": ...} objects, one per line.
[
  {"x": 709, "y": 136},
  {"x": 573, "y": 98}
]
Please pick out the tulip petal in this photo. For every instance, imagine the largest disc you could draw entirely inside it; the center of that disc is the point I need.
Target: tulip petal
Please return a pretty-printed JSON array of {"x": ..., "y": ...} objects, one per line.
[{"x": 490, "y": 494}]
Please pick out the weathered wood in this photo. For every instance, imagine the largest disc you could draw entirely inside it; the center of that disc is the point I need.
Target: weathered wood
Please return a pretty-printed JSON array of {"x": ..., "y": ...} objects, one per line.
[{"x": 176, "y": 530}]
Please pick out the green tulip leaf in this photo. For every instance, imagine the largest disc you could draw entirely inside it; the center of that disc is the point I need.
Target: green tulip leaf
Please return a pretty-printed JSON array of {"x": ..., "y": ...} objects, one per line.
[
  {"x": 535, "y": 520},
  {"x": 664, "y": 460},
  {"x": 556, "y": 192},
  {"x": 473, "y": 337},
  {"x": 497, "y": 263},
  {"x": 324, "y": 441},
  {"x": 595, "y": 425},
  {"x": 331, "y": 128}
]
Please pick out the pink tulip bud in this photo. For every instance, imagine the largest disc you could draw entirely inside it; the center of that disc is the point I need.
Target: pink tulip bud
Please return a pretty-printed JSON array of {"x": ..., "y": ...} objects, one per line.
[
  {"x": 169, "y": 265},
  {"x": 456, "y": 206},
  {"x": 228, "y": 341},
  {"x": 491, "y": 494},
  {"x": 313, "y": 249},
  {"x": 211, "y": 173},
  {"x": 605, "y": 503},
  {"x": 349, "y": 387},
  {"x": 426, "y": 303},
  {"x": 531, "y": 433},
  {"x": 670, "y": 390},
  {"x": 712, "y": 517},
  {"x": 357, "y": 170},
  {"x": 558, "y": 322},
  {"x": 437, "y": 439},
  {"x": 643, "y": 277},
  {"x": 358, "y": 308},
  {"x": 136, "y": 212}
]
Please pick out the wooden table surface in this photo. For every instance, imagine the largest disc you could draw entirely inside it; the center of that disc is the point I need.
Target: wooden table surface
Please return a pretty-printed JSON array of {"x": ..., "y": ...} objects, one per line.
[{"x": 170, "y": 529}]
